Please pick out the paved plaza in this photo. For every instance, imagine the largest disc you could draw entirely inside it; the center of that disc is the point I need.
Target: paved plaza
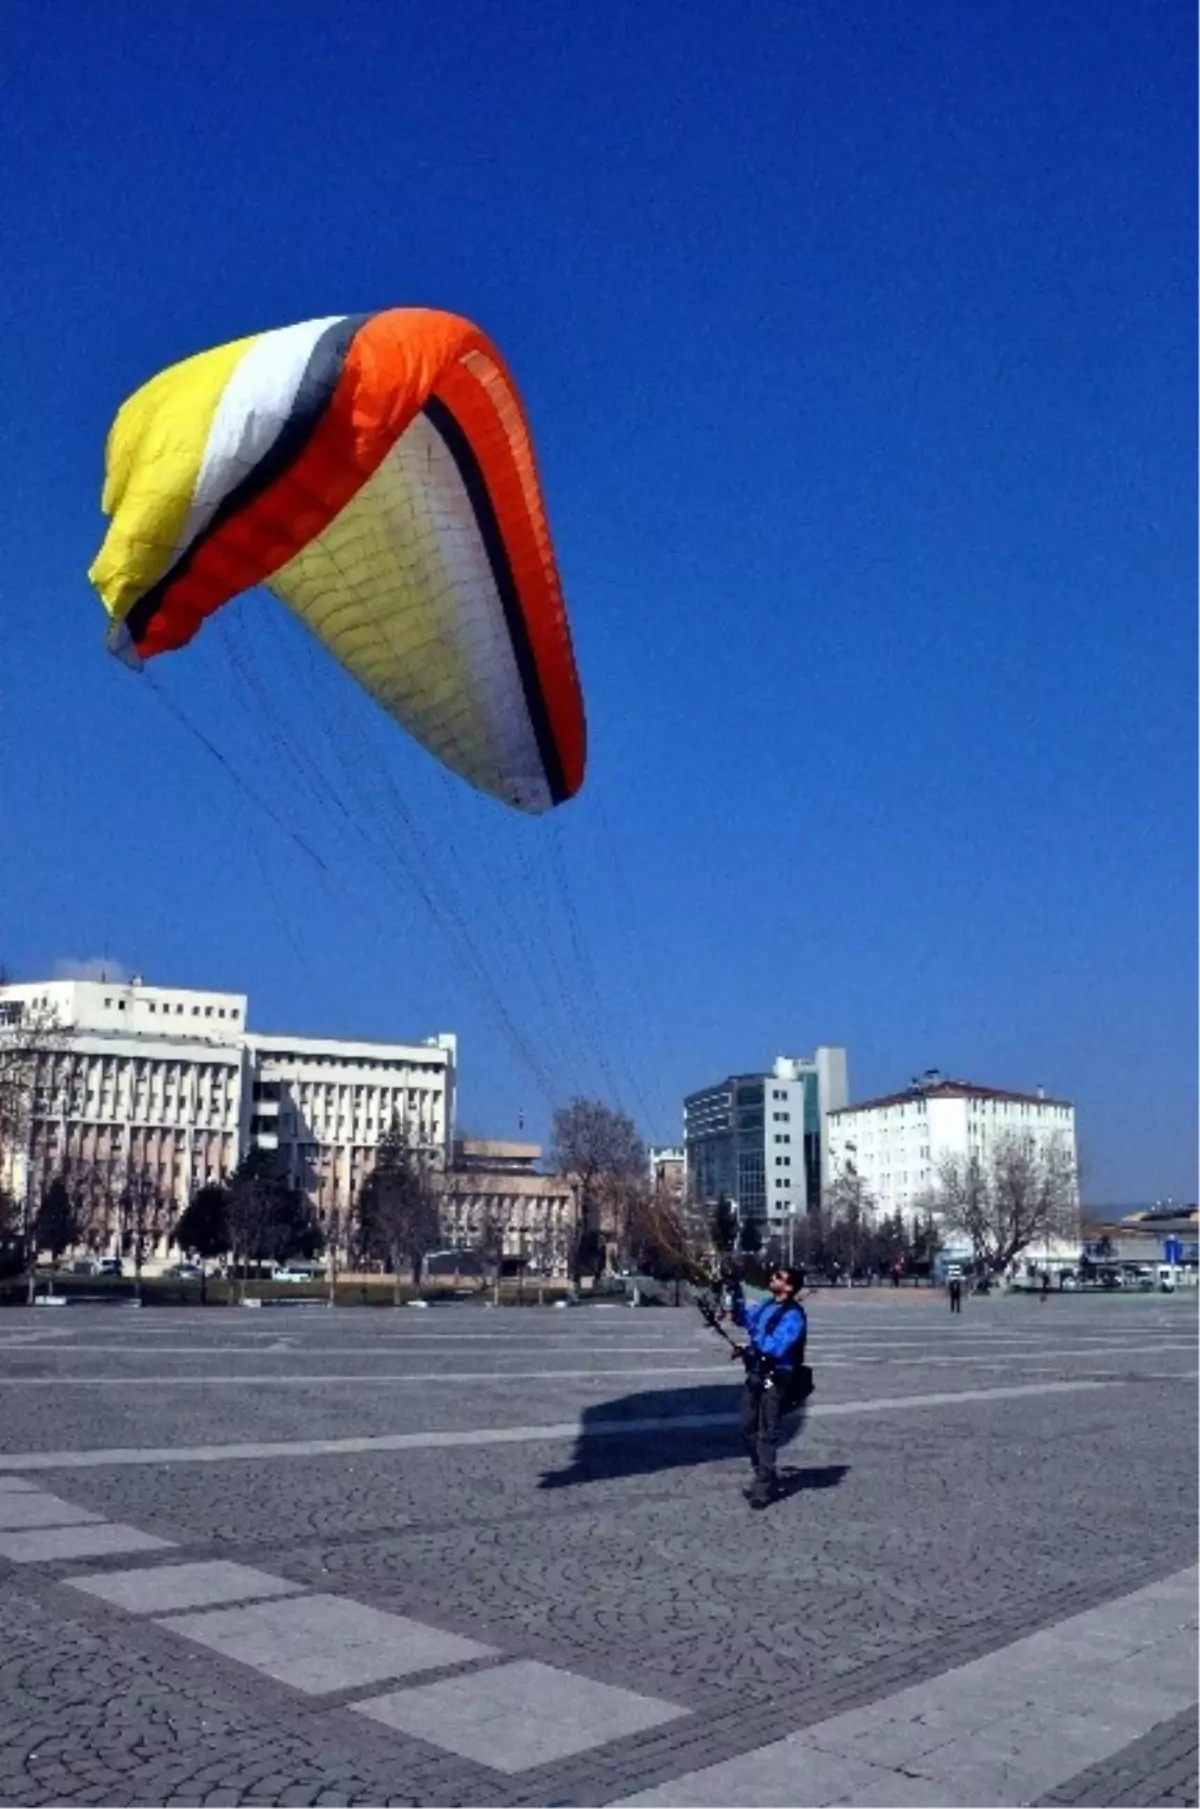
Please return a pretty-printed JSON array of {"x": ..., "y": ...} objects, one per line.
[{"x": 467, "y": 1556}]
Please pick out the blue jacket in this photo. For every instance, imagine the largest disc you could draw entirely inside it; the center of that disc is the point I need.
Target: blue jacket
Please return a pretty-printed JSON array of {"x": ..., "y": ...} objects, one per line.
[{"x": 776, "y": 1333}]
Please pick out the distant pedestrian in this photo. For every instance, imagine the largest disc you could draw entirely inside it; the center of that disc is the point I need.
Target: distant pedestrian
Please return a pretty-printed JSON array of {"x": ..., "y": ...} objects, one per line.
[
  {"x": 955, "y": 1294},
  {"x": 1045, "y": 1285}
]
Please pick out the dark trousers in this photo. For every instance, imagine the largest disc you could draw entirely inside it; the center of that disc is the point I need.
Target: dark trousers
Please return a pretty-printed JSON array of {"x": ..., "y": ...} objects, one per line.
[
  {"x": 955, "y": 1300},
  {"x": 760, "y": 1427}
]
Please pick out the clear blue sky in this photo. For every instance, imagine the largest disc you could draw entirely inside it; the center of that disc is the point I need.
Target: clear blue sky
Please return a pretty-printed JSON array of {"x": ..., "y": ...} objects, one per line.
[{"x": 857, "y": 341}]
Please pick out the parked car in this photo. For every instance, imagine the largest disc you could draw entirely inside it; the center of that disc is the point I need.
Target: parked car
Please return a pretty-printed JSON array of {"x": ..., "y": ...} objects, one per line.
[
  {"x": 109, "y": 1265},
  {"x": 298, "y": 1272},
  {"x": 186, "y": 1272}
]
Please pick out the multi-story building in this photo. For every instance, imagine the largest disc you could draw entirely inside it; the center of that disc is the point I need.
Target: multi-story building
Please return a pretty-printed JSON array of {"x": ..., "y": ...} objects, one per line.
[
  {"x": 894, "y": 1144},
  {"x": 493, "y": 1188},
  {"x": 125, "y": 1078},
  {"x": 130, "y": 1079},
  {"x": 762, "y": 1140},
  {"x": 666, "y": 1165},
  {"x": 324, "y": 1104}
]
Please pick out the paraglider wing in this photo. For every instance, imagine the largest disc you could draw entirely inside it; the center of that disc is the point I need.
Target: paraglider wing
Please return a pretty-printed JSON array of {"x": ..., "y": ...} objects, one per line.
[{"x": 376, "y": 473}]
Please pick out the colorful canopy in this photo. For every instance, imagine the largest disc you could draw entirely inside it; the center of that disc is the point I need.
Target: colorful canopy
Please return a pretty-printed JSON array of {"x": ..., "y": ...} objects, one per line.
[{"x": 376, "y": 473}]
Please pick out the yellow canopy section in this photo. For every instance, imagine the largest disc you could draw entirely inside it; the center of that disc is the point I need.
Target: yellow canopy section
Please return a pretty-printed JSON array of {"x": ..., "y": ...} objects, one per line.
[{"x": 153, "y": 459}]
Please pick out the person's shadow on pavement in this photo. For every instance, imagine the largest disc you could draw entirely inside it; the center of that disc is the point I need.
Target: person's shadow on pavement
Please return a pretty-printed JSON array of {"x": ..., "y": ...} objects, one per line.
[{"x": 674, "y": 1428}]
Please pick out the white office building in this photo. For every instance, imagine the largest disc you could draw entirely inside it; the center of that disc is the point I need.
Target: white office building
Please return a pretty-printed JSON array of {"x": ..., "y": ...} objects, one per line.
[
  {"x": 894, "y": 1144},
  {"x": 324, "y": 1104},
  {"x": 124, "y": 1078}
]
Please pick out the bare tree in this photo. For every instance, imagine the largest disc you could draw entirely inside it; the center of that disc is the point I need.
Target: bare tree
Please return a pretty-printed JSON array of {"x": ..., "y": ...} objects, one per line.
[
  {"x": 1021, "y": 1192},
  {"x": 30, "y": 1038},
  {"x": 849, "y": 1213},
  {"x": 599, "y": 1152},
  {"x": 97, "y": 1200},
  {"x": 489, "y": 1241},
  {"x": 545, "y": 1244},
  {"x": 10, "y": 1230},
  {"x": 665, "y": 1243},
  {"x": 146, "y": 1217},
  {"x": 695, "y": 1217},
  {"x": 333, "y": 1229},
  {"x": 250, "y": 1214},
  {"x": 397, "y": 1207}
]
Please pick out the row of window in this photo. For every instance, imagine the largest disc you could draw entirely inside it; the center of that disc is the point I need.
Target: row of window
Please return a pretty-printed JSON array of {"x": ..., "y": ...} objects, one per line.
[
  {"x": 350, "y": 1061},
  {"x": 867, "y": 1154},
  {"x": 169, "y": 1008}
]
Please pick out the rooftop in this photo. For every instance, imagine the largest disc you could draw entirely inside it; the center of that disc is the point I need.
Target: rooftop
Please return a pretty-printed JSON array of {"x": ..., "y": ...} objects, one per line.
[{"x": 948, "y": 1089}]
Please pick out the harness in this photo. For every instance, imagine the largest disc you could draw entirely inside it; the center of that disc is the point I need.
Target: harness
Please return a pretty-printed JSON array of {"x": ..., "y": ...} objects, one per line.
[
  {"x": 774, "y": 1320},
  {"x": 794, "y": 1384}
]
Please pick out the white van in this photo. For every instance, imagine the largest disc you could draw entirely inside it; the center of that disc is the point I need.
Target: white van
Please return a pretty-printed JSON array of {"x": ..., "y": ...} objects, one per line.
[{"x": 298, "y": 1272}]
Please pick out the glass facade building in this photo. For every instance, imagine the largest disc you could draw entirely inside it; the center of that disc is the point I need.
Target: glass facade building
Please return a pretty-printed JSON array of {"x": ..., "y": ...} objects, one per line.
[{"x": 759, "y": 1140}]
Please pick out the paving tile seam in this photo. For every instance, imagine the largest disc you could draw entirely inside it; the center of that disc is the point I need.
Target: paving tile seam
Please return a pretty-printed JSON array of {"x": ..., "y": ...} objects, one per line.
[
  {"x": 451, "y": 1378},
  {"x": 1000, "y": 1360},
  {"x": 349, "y": 1697},
  {"x": 445, "y": 1674},
  {"x": 728, "y": 1724},
  {"x": 848, "y": 1740},
  {"x": 556, "y": 1432},
  {"x": 647, "y": 1762}
]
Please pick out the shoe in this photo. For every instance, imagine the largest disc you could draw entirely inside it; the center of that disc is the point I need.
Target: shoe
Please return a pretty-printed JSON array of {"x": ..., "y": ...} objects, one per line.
[{"x": 761, "y": 1495}]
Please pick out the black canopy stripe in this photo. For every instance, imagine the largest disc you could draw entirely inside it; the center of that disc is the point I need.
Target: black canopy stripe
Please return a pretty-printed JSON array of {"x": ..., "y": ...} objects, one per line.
[{"x": 459, "y": 447}]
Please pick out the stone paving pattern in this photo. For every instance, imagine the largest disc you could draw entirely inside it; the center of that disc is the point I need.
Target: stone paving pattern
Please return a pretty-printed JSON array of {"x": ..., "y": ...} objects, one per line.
[{"x": 909, "y": 1542}]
